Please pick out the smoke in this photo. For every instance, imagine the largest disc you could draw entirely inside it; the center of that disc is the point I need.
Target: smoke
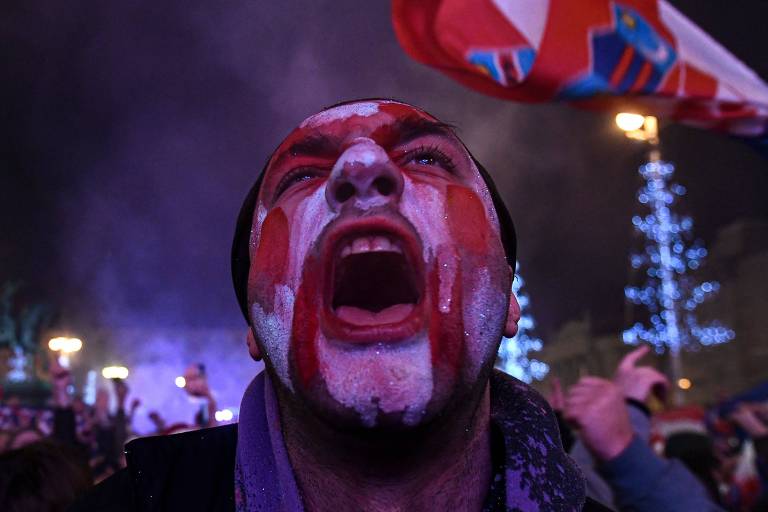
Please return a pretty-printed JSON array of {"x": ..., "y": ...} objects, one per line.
[
  {"x": 162, "y": 355},
  {"x": 141, "y": 126}
]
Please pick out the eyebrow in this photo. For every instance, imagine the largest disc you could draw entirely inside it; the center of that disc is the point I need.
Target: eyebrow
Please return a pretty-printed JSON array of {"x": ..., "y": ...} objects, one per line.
[
  {"x": 407, "y": 129},
  {"x": 312, "y": 145},
  {"x": 413, "y": 127}
]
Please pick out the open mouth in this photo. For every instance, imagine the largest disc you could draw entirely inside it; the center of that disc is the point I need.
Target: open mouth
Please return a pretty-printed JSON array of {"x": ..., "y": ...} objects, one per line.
[{"x": 375, "y": 283}]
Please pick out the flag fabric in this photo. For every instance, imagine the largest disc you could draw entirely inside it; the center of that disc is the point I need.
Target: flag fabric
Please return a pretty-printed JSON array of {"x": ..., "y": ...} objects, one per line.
[{"x": 601, "y": 54}]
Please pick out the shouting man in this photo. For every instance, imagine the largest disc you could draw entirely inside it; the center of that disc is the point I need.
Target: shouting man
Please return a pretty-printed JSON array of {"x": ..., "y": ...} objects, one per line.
[{"x": 373, "y": 262}]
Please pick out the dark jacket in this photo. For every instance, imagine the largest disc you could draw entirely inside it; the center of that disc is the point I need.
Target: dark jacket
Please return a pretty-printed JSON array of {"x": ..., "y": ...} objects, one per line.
[{"x": 195, "y": 470}]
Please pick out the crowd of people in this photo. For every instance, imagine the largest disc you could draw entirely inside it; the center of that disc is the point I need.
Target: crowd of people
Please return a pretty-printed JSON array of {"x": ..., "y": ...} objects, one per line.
[
  {"x": 51, "y": 455},
  {"x": 717, "y": 462}
]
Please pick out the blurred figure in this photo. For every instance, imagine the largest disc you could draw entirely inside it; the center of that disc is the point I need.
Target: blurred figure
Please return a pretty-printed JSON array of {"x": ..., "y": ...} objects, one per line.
[
  {"x": 197, "y": 386},
  {"x": 101, "y": 435},
  {"x": 158, "y": 422},
  {"x": 613, "y": 427},
  {"x": 753, "y": 419},
  {"x": 41, "y": 477},
  {"x": 556, "y": 399},
  {"x": 696, "y": 451},
  {"x": 22, "y": 437},
  {"x": 5, "y": 437}
]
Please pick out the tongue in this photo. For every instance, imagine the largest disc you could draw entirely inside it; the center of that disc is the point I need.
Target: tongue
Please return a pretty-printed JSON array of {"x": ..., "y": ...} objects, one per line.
[{"x": 390, "y": 315}]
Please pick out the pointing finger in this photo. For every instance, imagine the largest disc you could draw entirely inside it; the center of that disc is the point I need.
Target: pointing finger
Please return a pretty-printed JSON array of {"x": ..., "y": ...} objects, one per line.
[{"x": 630, "y": 360}]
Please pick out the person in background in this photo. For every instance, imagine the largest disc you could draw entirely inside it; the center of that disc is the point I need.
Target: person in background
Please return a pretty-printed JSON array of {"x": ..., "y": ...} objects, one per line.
[
  {"x": 612, "y": 424},
  {"x": 753, "y": 419},
  {"x": 197, "y": 386},
  {"x": 103, "y": 435},
  {"x": 45, "y": 476},
  {"x": 158, "y": 422}
]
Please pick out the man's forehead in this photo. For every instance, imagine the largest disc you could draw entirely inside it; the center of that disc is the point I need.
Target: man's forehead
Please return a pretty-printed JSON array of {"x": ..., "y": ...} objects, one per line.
[
  {"x": 362, "y": 109},
  {"x": 364, "y": 118}
]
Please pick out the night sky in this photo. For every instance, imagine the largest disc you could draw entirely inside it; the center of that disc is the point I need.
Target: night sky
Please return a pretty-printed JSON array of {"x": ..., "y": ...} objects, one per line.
[{"x": 131, "y": 132}]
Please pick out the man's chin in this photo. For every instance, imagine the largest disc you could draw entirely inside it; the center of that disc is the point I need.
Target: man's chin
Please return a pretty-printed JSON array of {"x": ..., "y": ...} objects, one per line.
[
  {"x": 371, "y": 419},
  {"x": 379, "y": 386}
]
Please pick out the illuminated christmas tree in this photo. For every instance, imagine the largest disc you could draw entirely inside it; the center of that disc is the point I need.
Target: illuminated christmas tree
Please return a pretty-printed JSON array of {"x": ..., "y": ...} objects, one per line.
[
  {"x": 513, "y": 352},
  {"x": 669, "y": 258}
]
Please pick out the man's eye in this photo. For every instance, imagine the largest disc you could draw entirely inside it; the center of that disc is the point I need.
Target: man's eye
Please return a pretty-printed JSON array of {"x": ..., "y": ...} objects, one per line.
[
  {"x": 294, "y": 177},
  {"x": 425, "y": 159},
  {"x": 430, "y": 157}
]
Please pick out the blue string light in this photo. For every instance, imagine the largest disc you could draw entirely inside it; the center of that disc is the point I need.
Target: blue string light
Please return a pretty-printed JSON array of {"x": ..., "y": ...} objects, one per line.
[
  {"x": 513, "y": 352},
  {"x": 669, "y": 293}
]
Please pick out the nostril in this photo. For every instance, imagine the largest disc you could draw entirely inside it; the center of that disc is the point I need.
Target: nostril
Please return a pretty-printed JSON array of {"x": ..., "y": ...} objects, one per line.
[
  {"x": 344, "y": 192},
  {"x": 384, "y": 186}
]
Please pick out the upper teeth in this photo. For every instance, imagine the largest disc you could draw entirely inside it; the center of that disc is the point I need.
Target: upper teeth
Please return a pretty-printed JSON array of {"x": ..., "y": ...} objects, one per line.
[{"x": 369, "y": 244}]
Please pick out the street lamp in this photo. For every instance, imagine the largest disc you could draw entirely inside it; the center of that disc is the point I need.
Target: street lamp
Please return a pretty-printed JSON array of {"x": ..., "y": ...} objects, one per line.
[
  {"x": 65, "y": 346},
  {"x": 642, "y": 128},
  {"x": 628, "y": 121}
]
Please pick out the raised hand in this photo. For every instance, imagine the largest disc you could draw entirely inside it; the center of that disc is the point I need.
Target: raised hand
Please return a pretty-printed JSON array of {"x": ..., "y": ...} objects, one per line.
[
  {"x": 60, "y": 381},
  {"x": 638, "y": 382},
  {"x": 556, "y": 398},
  {"x": 596, "y": 408}
]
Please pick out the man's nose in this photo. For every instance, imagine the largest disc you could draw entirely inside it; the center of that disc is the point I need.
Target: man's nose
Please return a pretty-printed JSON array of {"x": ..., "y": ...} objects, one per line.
[{"x": 364, "y": 176}]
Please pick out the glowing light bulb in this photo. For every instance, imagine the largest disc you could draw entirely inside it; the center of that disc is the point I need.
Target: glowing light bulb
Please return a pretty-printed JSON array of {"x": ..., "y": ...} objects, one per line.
[
  {"x": 180, "y": 382},
  {"x": 684, "y": 383},
  {"x": 223, "y": 415},
  {"x": 115, "y": 372},
  {"x": 628, "y": 122},
  {"x": 65, "y": 345}
]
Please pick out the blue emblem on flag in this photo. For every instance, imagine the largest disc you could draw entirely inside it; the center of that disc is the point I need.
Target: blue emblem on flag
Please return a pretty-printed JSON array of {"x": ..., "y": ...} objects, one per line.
[
  {"x": 631, "y": 57},
  {"x": 506, "y": 66}
]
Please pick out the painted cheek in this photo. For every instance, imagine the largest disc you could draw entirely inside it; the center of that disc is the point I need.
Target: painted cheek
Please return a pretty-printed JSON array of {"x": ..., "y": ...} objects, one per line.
[
  {"x": 466, "y": 219},
  {"x": 269, "y": 265},
  {"x": 305, "y": 323},
  {"x": 446, "y": 333}
]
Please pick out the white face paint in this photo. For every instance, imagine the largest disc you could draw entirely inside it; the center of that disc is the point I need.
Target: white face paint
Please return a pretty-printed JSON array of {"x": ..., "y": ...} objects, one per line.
[
  {"x": 274, "y": 329},
  {"x": 341, "y": 113},
  {"x": 363, "y": 151},
  {"x": 479, "y": 311},
  {"x": 381, "y": 378}
]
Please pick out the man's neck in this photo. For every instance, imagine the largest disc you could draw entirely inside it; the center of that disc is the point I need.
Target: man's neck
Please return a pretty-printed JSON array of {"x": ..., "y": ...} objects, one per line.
[{"x": 448, "y": 468}]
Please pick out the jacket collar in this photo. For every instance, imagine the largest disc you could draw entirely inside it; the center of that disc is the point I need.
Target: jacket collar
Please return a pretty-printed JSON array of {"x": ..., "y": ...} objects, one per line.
[{"x": 532, "y": 470}]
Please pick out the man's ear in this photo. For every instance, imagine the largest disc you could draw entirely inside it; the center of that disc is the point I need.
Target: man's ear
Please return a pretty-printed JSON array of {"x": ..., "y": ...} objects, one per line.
[
  {"x": 253, "y": 347},
  {"x": 513, "y": 314}
]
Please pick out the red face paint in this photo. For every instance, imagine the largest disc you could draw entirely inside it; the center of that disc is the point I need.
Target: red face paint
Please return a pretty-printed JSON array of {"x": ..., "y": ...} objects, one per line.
[
  {"x": 446, "y": 332},
  {"x": 305, "y": 324},
  {"x": 442, "y": 203},
  {"x": 467, "y": 220},
  {"x": 271, "y": 259}
]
